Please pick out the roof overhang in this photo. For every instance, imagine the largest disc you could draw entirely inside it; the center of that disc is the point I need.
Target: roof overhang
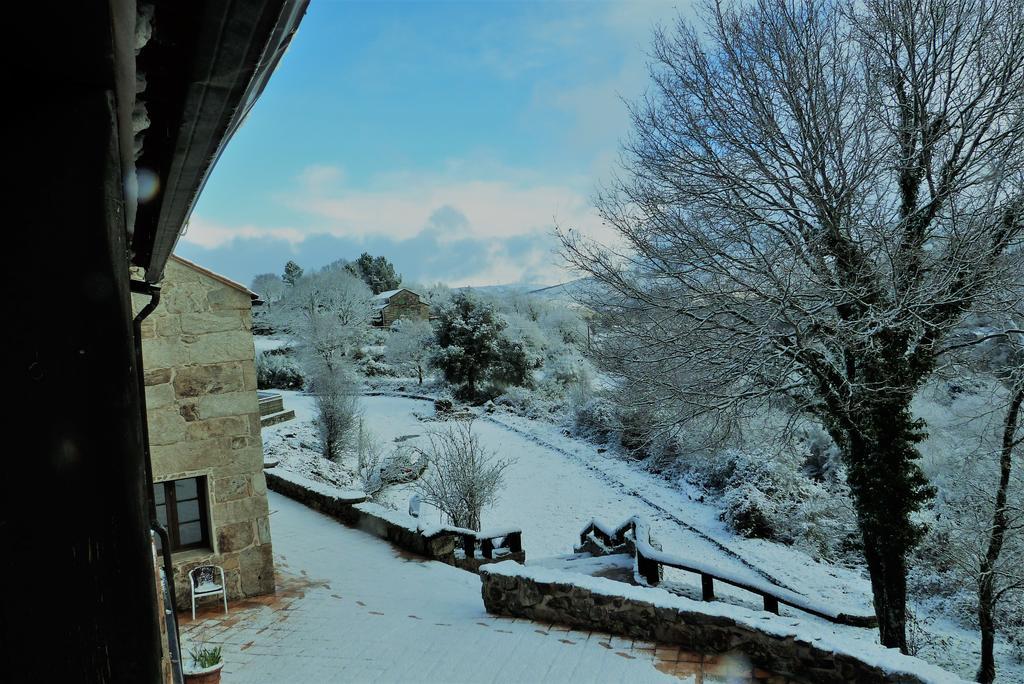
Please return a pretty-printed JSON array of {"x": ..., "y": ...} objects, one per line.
[{"x": 204, "y": 68}]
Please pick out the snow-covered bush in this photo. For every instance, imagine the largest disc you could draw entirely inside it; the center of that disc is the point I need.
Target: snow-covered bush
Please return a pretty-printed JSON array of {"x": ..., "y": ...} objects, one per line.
[
  {"x": 374, "y": 368},
  {"x": 568, "y": 368},
  {"x": 564, "y": 322},
  {"x": 750, "y": 512},
  {"x": 379, "y": 469},
  {"x": 766, "y": 495},
  {"x": 595, "y": 417},
  {"x": 521, "y": 401},
  {"x": 821, "y": 461},
  {"x": 277, "y": 371}
]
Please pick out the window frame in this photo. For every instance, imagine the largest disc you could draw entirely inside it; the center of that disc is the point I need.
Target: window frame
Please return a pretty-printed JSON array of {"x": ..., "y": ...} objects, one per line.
[{"x": 171, "y": 512}]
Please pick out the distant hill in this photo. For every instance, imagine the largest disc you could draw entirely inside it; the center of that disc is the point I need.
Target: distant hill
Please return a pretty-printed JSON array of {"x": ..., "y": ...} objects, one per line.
[
  {"x": 570, "y": 290},
  {"x": 495, "y": 290},
  {"x": 562, "y": 291}
]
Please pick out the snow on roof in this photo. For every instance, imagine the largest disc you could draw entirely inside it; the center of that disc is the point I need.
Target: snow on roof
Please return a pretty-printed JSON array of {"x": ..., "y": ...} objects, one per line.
[{"x": 388, "y": 294}]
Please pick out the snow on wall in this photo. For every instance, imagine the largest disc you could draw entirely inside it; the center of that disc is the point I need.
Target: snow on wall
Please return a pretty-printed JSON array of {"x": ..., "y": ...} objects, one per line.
[
  {"x": 351, "y": 507},
  {"x": 525, "y": 588}
]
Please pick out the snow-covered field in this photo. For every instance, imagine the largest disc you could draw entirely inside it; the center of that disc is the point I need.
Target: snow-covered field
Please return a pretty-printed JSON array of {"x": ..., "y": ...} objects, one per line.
[{"x": 557, "y": 483}]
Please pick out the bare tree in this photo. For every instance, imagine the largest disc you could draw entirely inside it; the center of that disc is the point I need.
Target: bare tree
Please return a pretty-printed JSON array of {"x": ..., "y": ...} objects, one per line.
[
  {"x": 462, "y": 476},
  {"x": 327, "y": 314},
  {"x": 336, "y": 398},
  {"x": 271, "y": 290},
  {"x": 411, "y": 345},
  {"x": 815, "y": 194},
  {"x": 986, "y": 534},
  {"x": 995, "y": 579}
]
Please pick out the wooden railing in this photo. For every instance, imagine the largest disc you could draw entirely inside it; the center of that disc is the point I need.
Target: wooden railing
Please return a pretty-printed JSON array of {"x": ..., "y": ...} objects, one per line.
[
  {"x": 490, "y": 541},
  {"x": 649, "y": 562}
]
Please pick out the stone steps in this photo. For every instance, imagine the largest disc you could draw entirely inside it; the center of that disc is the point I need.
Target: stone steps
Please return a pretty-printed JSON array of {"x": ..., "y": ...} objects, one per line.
[
  {"x": 270, "y": 403},
  {"x": 275, "y": 418}
]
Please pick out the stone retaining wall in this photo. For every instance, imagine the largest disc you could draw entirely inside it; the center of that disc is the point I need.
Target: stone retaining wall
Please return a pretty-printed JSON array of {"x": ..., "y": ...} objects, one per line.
[
  {"x": 352, "y": 508},
  {"x": 603, "y": 605}
]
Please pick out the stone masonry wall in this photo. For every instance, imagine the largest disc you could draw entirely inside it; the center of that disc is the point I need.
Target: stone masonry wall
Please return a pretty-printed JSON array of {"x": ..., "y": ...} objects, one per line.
[
  {"x": 404, "y": 304},
  {"x": 507, "y": 591},
  {"x": 204, "y": 421}
]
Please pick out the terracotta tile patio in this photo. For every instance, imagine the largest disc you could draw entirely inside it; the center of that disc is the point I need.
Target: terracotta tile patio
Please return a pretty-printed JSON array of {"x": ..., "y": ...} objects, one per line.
[{"x": 349, "y": 608}]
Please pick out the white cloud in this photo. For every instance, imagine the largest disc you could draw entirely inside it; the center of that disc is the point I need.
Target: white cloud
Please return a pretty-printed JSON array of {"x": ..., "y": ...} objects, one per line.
[
  {"x": 443, "y": 227},
  {"x": 209, "y": 234},
  {"x": 402, "y": 206}
]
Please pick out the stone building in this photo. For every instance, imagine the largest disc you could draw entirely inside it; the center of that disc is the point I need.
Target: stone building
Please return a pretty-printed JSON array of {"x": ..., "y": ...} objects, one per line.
[
  {"x": 204, "y": 429},
  {"x": 395, "y": 304}
]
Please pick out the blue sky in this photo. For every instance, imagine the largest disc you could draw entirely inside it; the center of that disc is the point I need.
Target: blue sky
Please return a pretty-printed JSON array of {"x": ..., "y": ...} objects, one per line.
[{"x": 448, "y": 137}]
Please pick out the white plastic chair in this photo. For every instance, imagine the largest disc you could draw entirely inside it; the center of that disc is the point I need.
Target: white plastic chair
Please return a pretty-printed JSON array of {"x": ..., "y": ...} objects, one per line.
[{"x": 202, "y": 579}]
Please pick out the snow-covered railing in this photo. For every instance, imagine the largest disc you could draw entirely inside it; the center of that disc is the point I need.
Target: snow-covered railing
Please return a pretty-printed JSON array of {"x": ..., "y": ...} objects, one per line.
[
  {"x": 649, "y": 561},
  {"x": 493, "y": 540},
  {"x": 486, "y": 541}
]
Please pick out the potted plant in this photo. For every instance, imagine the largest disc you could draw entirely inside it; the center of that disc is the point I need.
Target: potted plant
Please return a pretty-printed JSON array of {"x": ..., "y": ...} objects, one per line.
[{"x": 205, "y": 666}]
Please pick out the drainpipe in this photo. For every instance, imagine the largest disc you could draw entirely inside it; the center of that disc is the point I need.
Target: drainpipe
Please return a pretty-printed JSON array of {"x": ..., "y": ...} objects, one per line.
[{"x": 153, "y": 291}]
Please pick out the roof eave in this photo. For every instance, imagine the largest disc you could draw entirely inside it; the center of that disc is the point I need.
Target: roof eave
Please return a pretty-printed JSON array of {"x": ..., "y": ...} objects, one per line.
[{"x": 206, "y": 69}]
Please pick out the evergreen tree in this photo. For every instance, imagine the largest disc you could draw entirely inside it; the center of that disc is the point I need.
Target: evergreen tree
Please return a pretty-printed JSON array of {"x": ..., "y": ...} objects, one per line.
[
  {"x": 473, "y": 352},
  {"x": 292, "y": 272},
  {"x": 377, "y": 272}
]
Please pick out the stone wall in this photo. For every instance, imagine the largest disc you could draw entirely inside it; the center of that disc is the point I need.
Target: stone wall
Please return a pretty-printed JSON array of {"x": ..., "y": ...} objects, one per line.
[
  {"x": 603, "y": 605},
  {"x": 353, "y": 509},
  {"x": 204, "y": 420},
  {"x": 404, "y": 304}
]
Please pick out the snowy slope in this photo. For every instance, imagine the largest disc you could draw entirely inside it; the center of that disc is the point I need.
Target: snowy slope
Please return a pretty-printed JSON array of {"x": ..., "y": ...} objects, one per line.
[{"x": 557, "y": 483}]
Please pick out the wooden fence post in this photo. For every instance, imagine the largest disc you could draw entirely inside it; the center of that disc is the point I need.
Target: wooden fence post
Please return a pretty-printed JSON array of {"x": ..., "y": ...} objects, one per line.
[
  {"x": 648, "y": 569},
  {"x": 707, "y": 587}
]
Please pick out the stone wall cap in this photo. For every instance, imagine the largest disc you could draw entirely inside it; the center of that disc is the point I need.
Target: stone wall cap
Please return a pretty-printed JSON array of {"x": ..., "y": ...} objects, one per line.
[
  {"x": 822, "y": 636},
  {"x": 338, "y": 494}
]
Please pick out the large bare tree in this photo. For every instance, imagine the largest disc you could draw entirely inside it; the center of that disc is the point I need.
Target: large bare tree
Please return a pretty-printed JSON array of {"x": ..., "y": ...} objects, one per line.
[{"x": 813, "y": 196}]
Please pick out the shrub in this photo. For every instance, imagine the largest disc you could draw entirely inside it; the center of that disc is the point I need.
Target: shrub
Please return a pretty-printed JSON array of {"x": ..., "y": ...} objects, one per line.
[
  {"x": 766, "y": 495},
  {"x": 749, "y": 512},
  {"x": 462, "y": 476},
  {"x": 519, "y": 400},
  {"x": 277, "y": 371},
  {"x": 373, "y": 368},
  {"x": 379, "y": 470},
  {"x": 595, "y": 417}
]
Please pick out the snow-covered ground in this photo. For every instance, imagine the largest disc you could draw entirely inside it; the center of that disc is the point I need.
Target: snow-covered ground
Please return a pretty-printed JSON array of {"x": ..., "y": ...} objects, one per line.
[
  {"x": 352, "y": 609},
  {"x": 557, "y": 483},
  {"x": 264, "y": 343}
]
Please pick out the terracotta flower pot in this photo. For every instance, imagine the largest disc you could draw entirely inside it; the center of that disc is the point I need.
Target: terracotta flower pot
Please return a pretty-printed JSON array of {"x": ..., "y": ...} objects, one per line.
[{"x": 210, "y": 675}]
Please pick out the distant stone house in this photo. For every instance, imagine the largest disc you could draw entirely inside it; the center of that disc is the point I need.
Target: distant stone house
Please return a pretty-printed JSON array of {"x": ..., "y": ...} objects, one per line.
[
  {"x": 204, "y": 429},
  {"x": 395, "y": 304}
]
